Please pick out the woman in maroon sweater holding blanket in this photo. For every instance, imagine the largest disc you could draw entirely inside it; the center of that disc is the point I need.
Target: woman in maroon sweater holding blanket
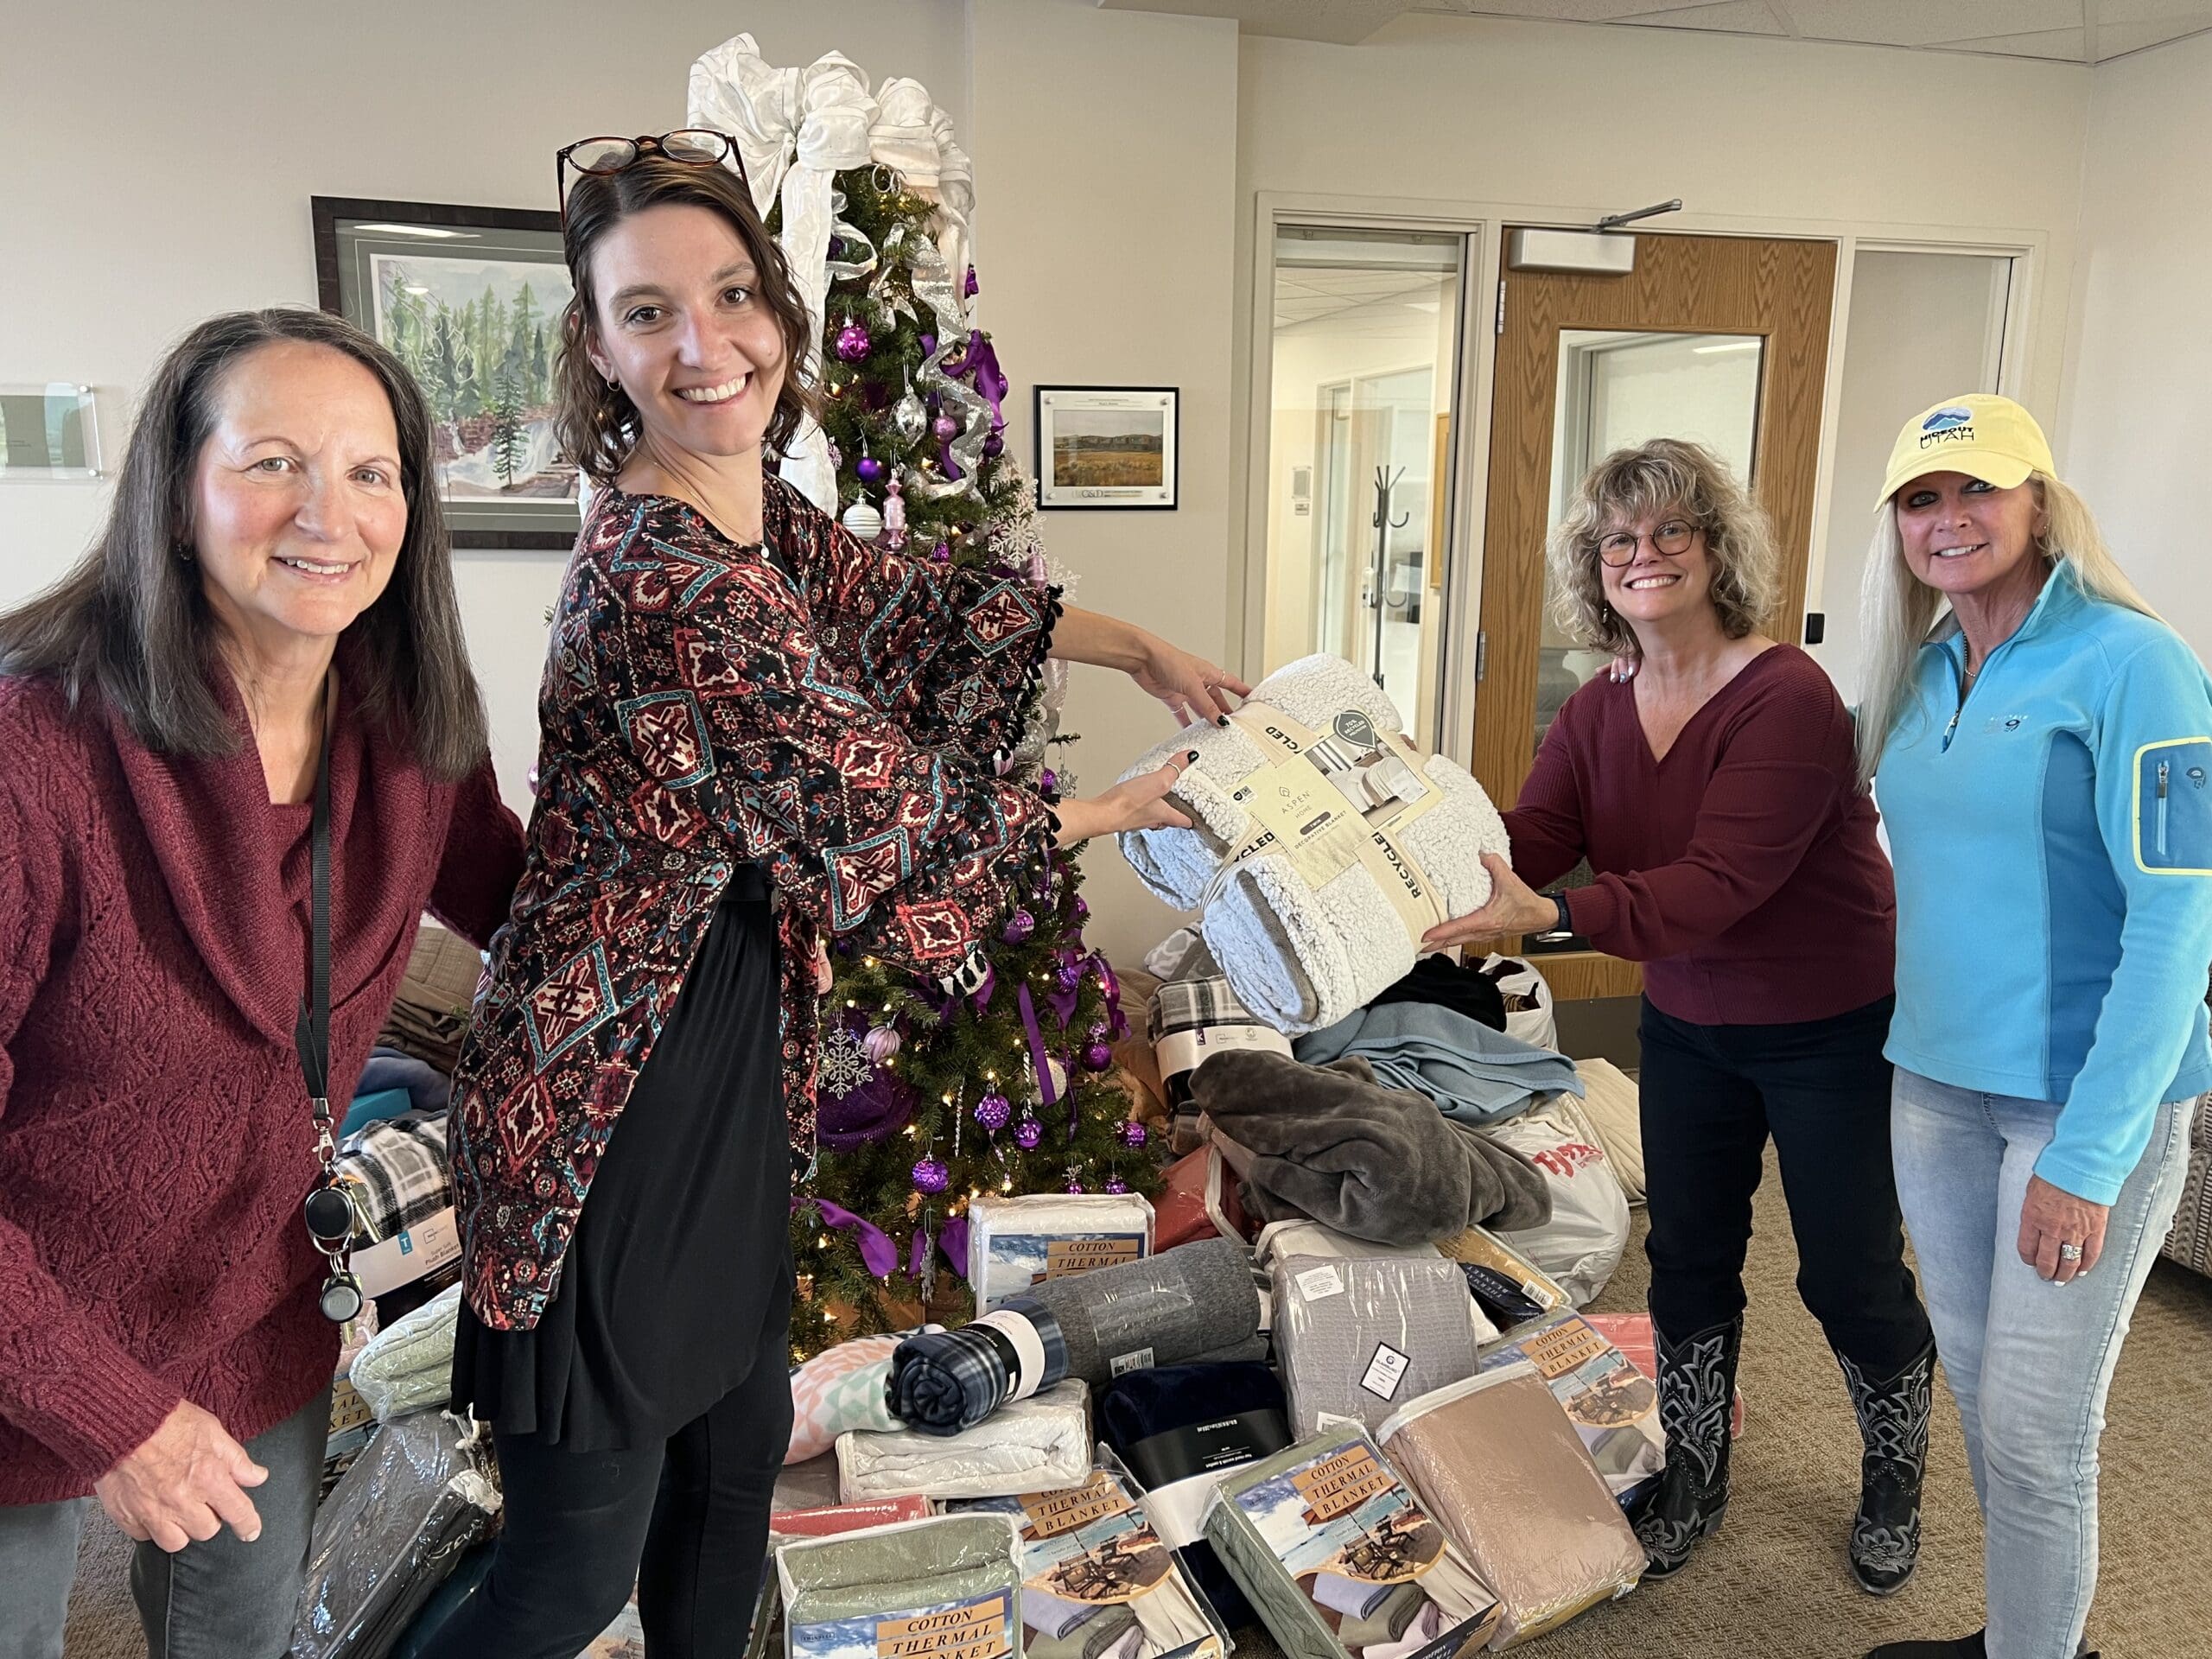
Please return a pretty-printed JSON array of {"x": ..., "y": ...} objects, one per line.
[
  {"x": 267, "y": 621},
  {"x": 1715, "y": 795}
]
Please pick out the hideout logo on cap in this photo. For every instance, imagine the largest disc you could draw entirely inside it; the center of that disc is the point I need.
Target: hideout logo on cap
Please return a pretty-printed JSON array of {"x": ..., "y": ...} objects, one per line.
[{"x": 1982, "y": 435}]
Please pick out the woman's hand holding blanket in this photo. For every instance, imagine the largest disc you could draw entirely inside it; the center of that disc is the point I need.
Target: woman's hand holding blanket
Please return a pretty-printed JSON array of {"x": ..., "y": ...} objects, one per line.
[{"x": 1514, "y": 909}]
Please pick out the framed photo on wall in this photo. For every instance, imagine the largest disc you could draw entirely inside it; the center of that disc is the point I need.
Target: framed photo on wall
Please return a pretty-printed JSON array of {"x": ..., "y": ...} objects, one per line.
[
  {"x": 1107, "y": 446},
  {"x": 470, "y": 300}
]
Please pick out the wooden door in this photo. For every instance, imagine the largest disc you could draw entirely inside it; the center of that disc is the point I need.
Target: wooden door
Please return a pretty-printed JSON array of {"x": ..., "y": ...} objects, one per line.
[{"x": 1741, "y": 289}]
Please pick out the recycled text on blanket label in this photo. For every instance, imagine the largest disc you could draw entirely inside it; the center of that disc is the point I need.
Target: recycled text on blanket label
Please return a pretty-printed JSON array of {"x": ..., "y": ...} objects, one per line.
[{"x": 1385, "y": 1371}]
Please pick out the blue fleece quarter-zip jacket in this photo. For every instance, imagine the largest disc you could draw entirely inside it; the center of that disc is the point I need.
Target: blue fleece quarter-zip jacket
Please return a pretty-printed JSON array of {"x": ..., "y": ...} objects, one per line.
[{"x": 2052, "y": 834}]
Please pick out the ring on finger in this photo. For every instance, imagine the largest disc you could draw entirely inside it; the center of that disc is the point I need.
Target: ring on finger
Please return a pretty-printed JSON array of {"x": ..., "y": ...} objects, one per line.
[{"x": 2069, "y": 1252}]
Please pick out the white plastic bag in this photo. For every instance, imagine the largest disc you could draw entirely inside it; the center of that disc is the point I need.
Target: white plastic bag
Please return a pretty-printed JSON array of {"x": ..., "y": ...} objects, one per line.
[
  {"x": 1582, "y": 1243},
  {"x": 1535, "y": 1024}
]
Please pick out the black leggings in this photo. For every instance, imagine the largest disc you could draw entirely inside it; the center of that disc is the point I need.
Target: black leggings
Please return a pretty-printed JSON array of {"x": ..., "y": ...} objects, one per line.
[
  {"x": 1712, "y": 1095},
  {"x": 686, "y": 1521}
]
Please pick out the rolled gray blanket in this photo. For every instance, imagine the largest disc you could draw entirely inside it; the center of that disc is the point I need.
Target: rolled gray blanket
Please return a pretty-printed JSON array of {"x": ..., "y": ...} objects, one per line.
[
  {"x": 1166, "y": 1310},
  {"x": 1383, "y": 1165}
]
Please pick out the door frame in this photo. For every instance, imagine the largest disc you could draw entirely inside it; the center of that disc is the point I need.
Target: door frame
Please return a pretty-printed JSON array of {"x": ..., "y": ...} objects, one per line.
[{"x": 2033, "y": 340}]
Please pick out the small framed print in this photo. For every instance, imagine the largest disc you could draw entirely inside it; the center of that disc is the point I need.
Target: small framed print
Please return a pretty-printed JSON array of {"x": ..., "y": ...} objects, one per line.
[
  {"x": 470, "y": 300},
  {"x": 1107, "y": 446}
]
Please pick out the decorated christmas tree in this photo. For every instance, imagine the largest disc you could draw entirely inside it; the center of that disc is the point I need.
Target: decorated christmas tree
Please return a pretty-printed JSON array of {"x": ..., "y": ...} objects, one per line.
[{"x": 926, "y": 1102}]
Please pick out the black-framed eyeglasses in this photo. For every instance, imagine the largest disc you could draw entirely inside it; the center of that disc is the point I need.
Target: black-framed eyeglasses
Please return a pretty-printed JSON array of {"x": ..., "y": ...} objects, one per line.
[
  {"x": 688, "y": 146},
  {"x": 1672, "y": 537}
]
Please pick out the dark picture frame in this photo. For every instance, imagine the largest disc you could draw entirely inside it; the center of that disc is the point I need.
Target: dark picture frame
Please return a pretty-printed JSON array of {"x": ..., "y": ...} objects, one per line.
[
  {"x": 457, "y": 293},
  {"x": 1109, "y": 446}
]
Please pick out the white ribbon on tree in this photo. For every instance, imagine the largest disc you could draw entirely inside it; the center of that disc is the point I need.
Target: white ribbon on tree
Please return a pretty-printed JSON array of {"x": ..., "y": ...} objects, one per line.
[{"x": 795, "y": 129}]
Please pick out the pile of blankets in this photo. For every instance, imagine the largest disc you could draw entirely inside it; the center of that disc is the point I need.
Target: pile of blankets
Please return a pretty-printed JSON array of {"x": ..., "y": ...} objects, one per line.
[{"x": 1302, "y": 956}]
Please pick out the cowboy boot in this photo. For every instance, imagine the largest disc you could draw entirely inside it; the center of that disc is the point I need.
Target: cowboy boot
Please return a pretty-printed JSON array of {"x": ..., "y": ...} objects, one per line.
[
  {"x": 1893, "y": 1427},
  {"x": 1966, "y": 1647},
  {"x": 1697, "y": 1391}
]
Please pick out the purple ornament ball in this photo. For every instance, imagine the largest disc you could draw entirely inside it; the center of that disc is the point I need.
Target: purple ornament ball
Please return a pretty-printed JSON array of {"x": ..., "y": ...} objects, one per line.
[
  {"x": 932, "y": 1177},
  {"x": 1019, "y": 926},
  {"x": 1028, "y": 1134},
  {"x": 993, "y": 1110},
  {"x": 1115, "y": 1184},
  {"x": 870, "y": 469},
  {"x": 1097, "y": 1058},
  {"x": 1048, "y": 780},
  {"x": 940, "y": 554},
  {"x": 880, "y": 1043},
  {"x": 1081, "y": 908},
  {"x": 853, "y": 342},
  {"x": 945, "y": 427},
  {"x": 1075, "y": 1186},
  {"x": 1134, "y": 1135},
  {"x": 1071, "y": 976},
  {"x": 993, "y": 447}
]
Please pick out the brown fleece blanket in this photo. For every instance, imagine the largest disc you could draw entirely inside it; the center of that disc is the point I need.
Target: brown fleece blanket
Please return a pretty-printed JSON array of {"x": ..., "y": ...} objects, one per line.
[{"x": 1383, "y": 1164}]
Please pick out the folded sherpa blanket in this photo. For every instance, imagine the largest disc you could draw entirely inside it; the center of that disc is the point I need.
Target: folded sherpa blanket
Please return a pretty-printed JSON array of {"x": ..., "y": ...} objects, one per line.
[
  {"x": 408, "y": 1366},
  {"x": 1038, "y": 1444},
  {"x": 1302, "y": 953},
  {"x": 1171, "y": 1309},
  {"x": 1331, "y": 1143}
]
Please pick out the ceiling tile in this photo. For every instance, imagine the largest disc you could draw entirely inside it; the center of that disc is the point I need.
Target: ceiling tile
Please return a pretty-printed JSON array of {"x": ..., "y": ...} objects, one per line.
[
  {"x": 1578, "y": 11},
  {"x": 2116, "y": 40},
  {"x": 1735, "y": 17},
  {"x": 1929, "y": 23},
  {"x": 2069, "y": 44},
  {"x": 2153, "y": 11}
]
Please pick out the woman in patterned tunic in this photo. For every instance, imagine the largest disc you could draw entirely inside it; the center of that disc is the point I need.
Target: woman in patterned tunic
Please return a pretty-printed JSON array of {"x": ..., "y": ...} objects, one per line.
[{"x": 757, "y": 732}]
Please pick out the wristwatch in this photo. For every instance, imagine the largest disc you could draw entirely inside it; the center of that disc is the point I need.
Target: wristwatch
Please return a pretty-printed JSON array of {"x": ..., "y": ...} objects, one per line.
[{"x": 1564, "y": 927}]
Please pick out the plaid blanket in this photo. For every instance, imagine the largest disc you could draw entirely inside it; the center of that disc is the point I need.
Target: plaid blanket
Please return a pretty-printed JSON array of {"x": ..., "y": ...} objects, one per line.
[
  {"x": 399, "y": 1172},
  {"x": 1190, "y": 1021},
  {"x": 943, "y": 1381}
]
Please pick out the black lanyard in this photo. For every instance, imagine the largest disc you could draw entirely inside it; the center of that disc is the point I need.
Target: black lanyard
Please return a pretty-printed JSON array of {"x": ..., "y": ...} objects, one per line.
[{"x": 311, "y": 1036}]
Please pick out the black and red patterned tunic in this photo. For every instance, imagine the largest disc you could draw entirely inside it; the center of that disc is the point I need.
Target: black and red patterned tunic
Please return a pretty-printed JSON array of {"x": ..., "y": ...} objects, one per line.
[{"x": 835, "y": 713}]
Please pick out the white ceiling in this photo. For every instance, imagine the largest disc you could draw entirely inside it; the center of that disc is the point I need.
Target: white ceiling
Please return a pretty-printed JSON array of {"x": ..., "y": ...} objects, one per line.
[
  {"x": 1387, "y": 300},
  {"x": 2074, "y": 31}
]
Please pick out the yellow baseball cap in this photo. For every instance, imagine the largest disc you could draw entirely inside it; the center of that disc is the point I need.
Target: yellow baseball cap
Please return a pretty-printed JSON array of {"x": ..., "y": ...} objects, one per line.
[{"x": 1984, "y": 436}]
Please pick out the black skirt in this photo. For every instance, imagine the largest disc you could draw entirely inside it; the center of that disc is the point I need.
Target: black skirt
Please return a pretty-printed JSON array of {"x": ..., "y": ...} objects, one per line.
[{"x": 682, "y": 1251}]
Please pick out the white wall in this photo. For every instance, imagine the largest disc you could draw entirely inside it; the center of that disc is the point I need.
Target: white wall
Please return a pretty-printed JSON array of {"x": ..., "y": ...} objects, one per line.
[
  {"x": 2136, "y": 438},
  {"x": 1105, "y": 157}
]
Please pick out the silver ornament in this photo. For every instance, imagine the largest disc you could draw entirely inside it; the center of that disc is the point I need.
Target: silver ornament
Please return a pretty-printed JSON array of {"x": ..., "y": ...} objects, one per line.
[
  {"x": 863, "y": 520},
  {"x": 911, "y": 416}
]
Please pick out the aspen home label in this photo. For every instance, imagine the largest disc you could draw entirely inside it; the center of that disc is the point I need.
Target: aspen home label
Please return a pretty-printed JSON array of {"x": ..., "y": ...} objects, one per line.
[
  {"x": 1340, "y": 1485},
  {"x": 974, "y": 1630}
]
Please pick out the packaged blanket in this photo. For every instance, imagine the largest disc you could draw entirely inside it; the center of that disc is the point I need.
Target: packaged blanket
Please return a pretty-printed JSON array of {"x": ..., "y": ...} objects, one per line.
[
  {"x": 1014, "y": 1244},
  {"x": 1097, "y": 1578},
  {"x": 1287, "y": 1238},
  {"x": 1198, "y": 1199},
  {"x": 1631, "y": 1333},
  {"x": 398, "y": 1174},
  {"x": 1322, "y": 843},
  {"x": 1507, "y": 1286},
  {"x": 1030, "y": 1446},
  {"x": 1501, "y": 1468},
  {"x": 944, "y": 1588},
  {"x": 1613, "y": 1406},
  {"x": 1330, "y": 1143},
  {"x": 1195, "y": 1301},
  {"x": 1357, "y": 1338},
  {"x": 408, "y": 1366},
  {"x": 1582, "y": 1242},
  {"x": 843, "y": 1388},
  {"x": 943, "y": 1381},
  {"x": 1476, "y": 1076},
  {"x": 1191, "y": 1020},
  {"x": 1337, "y": 1553},
  {"x": 1613, "y": 1106},
  {"x": 1179, "y": 1429},
  {"x": 392, "y": 1531}
]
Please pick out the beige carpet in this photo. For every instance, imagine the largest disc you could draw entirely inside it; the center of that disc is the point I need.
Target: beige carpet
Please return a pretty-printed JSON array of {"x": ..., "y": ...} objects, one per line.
[{"x": 1774, "y": 1582}]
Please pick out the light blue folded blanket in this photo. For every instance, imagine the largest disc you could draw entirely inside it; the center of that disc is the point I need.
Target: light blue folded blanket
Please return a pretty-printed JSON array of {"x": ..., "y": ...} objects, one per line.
[{"x": 1476, "y": 1076}]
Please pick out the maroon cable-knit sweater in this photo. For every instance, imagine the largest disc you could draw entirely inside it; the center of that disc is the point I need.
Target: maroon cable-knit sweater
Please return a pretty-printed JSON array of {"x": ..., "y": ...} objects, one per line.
[
  {"x": 1742, "y": 870},
  {"x": 154, "y": 1136}
]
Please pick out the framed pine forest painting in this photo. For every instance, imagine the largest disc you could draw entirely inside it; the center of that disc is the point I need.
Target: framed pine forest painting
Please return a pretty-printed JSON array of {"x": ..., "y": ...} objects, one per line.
[{"x": 470, "y": 300}]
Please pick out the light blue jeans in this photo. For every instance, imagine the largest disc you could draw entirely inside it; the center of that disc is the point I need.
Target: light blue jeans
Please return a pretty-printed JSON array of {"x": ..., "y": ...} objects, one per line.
[{"x": 2029, "y": 1361}]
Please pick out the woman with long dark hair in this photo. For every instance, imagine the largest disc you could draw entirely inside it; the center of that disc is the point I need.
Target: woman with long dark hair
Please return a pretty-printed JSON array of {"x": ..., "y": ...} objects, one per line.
[
  {"x": 250, "y": 706},
  {"x": 758, "y": 733}
]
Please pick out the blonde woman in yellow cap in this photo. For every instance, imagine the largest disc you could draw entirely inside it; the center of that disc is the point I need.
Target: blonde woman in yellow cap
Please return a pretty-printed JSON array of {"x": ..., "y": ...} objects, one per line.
[{"x": 2041, "y": 746}]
